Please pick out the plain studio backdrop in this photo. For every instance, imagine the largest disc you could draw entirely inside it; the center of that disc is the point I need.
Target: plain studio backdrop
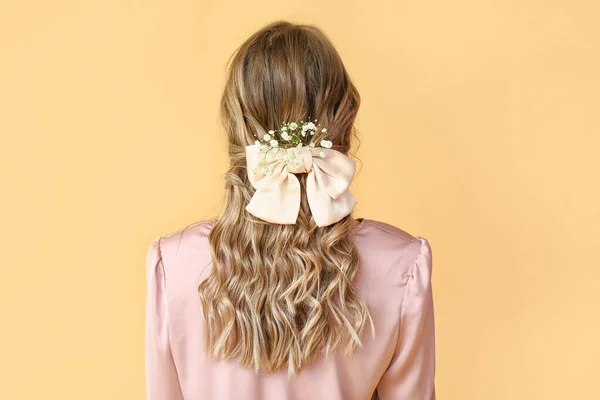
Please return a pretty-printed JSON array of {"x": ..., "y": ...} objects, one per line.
[{"x": 480, "y": 131}]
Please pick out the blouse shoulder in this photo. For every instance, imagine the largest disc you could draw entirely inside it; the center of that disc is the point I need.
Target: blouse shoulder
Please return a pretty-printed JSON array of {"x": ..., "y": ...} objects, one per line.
[
  {"x": 392, "y": 243},
  {"x": 393, "y": 230},
  {"x": 390, "y": 256},
  {"x": 187, "y": 239},
  {"x": 184, "y": 254}
]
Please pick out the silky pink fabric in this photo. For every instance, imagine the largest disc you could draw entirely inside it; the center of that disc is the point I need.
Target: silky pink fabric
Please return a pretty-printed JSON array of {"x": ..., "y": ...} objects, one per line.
[{"x": 394, "y": 277}]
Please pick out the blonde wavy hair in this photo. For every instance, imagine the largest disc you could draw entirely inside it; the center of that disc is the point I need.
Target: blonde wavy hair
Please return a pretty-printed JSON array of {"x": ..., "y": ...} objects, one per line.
[{"x": 282, "y": 294}]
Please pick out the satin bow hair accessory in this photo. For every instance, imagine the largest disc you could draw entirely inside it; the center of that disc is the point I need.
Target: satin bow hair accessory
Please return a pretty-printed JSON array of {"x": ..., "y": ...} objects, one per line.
[{"x": 272, "y": 163}]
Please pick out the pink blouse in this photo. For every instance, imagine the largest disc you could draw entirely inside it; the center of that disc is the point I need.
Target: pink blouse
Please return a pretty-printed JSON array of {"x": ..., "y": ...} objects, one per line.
[{"x": 394, "y": 277}]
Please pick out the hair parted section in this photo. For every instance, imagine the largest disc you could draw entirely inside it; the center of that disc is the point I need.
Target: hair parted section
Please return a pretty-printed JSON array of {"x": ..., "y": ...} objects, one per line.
[{"x": 278, "y": 296}]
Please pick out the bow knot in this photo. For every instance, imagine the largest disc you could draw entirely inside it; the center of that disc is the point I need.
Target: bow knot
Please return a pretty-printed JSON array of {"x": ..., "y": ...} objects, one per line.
[
  {"x": 299, "y": 160},
  {"x": 277, "y": 195}
]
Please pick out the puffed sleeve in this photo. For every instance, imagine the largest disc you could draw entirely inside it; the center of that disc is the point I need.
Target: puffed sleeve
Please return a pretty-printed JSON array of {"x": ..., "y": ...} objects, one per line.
[
  {"x": 161, "y": 375},
  {"x": 410, "y": 374}
]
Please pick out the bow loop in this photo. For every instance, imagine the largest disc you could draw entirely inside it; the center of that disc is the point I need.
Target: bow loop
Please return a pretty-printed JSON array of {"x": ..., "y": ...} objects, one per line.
[{"x": 337, "y": 171}]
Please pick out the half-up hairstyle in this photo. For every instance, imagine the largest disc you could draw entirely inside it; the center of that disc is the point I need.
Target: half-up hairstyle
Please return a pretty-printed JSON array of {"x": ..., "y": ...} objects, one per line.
[{"x": 281, "y": 295}]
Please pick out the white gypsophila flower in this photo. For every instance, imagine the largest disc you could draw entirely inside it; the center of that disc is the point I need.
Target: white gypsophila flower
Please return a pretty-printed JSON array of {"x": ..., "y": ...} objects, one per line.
[
  {"x": 326, "y": 143},
  {"x": 285, "y": 136},
  {"x": 324, "y": 130},
  {"x": 284, "y": 128},
  {"x": 321, "y": 154},
  {"x": 274, "y": 143},
  {"x": 257, "y": 142},
  {"x": 303, "y": 133},
  {"x": 267, "y": 137},
  {"x": 293, "y": 126},
  {"x": 271, "y": 132},
  {"x": 308, "y": 126}
]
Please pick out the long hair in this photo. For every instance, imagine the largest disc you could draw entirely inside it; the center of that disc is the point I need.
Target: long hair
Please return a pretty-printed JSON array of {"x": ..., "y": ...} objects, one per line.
[{"x": 282, "y": 294}]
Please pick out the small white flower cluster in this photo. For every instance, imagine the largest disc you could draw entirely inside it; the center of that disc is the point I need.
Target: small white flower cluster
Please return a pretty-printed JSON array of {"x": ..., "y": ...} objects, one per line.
[
  {"x": 290, "y": 136},
  {"x": 293, "y": 134}
]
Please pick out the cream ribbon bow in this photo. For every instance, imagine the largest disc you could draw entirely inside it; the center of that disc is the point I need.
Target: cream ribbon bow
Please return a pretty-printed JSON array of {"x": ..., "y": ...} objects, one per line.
[{"x": 277, "y": 195}]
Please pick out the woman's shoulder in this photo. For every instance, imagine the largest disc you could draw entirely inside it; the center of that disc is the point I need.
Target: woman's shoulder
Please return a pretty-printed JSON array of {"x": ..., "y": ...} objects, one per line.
[
  {"x": 385, "y": 229},
  {"x": 186, "y": 238},
  {"x": 384, "y": 236},
  {"x": 391, "y": 257},
  {"x": 185, "y": 253},
  {"x": 385, "y": 245}
]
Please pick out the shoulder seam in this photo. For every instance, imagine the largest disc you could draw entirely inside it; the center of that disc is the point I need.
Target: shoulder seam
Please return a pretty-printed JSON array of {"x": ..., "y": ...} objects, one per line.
[
  {"x": 423, "y": 242},
  {"x": 159, "y": 244},
  {"x": 414, "y": 262},
  {"x": 414, "y": 239}
]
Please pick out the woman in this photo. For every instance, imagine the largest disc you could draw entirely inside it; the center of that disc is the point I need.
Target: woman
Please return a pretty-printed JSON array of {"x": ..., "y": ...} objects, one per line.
[{"x": 285, "y": 295}]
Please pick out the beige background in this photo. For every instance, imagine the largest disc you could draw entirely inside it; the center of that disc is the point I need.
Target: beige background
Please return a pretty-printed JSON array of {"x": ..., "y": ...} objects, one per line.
[{"x": 479, "y": 131}]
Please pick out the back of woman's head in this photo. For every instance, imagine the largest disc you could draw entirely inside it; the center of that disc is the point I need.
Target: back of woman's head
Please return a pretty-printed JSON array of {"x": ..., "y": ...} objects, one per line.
[{"x": 280, "y": 294}]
